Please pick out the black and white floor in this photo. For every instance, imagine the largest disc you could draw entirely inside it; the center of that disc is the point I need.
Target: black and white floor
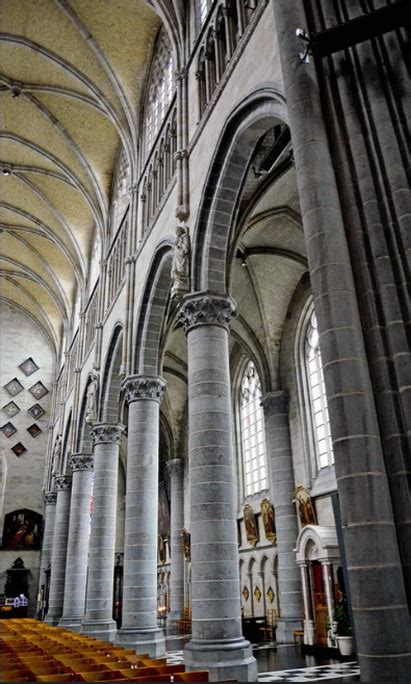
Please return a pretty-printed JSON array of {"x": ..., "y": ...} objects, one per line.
[{"x": 286, "y": 664}]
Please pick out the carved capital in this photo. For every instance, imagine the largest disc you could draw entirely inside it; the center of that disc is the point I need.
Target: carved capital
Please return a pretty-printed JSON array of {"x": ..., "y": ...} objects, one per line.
[
  {"x": 63, "y": 483},
  {"x": 143, "y": 387},
  {"x": 203, "y": 308},
  {"x": 275, "y": 402},
  {"x": 107, "y": 433},
  {"x": 50, "y": 498},
  {"x": 81, "y": 462},
  {"x": 175, "y": 466}
]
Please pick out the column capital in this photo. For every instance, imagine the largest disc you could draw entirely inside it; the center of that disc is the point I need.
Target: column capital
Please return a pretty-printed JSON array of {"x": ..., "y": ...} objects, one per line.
[
  {"x": 275, "y": 402},
  {"x": 63, "y": 483},
  {"x": 205, "y": 308},
  {"x": 107, "y": 433},
  {"x": 143, "y": 387},
  {"x": 81, "y": 462},
  {"x": 175, "y": 466},
  {"x": 50, "y": 498}
]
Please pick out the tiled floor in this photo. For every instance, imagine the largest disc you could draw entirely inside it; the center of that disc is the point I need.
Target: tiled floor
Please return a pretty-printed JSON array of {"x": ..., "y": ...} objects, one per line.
[{"x": 283, "y": 663}]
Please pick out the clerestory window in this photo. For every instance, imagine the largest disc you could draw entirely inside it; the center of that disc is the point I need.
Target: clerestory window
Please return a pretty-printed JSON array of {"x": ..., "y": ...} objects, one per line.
[
  {"x": 161, "y": 89},
  {"x": 252, "y": 433}
]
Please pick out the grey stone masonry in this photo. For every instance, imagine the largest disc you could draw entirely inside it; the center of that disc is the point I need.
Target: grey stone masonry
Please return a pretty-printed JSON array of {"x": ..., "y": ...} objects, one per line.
[
  {"x": 175, "y": 469},
  {"x": 78, "y": 541},
  {"x": 59, "y": 553},
  {"x": 50, "y": 500},
  {"x": 98, "y": 620},
  {"x": 217, "y": 642},
  {"x": 275, "y": 405},
  {"x": 139, "y": 621}
]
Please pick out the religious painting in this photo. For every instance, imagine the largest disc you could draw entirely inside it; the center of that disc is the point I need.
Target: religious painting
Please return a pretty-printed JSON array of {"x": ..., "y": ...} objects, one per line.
[
  {"x": 268, "y": 516},
  {"x": 163, "y": 511},
  {"x": 22, "y": 530},
  {"x": 29, "y": 366},
  {"x": 36, "y": 411},
  {"x": 250, "y": 524},
  {"x": 14, "y": 387},
  {"x": 34, "y": 430},
  {"x": 305, "y": 507},
  {"x": 8, "y": 429},
  {"x": 186, "y": 539},
  {"x": 11, "y": 409},
  {"x": 18, "y": 449},
  {"x": 270, "y": 594},
  {"x": 38, "y": 390}
]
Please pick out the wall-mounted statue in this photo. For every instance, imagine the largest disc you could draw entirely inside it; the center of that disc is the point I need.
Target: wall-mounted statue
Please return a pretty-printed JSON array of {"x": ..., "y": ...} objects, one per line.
[
  {"x": 305, "y": 506},
  {"x": 56, "y": 458},
  {"x": 92, "y": 397},
  {"x": 180, "y": 265}
]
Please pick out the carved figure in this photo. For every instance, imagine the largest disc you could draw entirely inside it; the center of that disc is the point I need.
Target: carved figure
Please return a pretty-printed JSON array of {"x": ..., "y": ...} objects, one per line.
[
  {"x": 180, "y": 262},
  {"x": 92, "y": 397},
  {"x": 56, "y": 459}
]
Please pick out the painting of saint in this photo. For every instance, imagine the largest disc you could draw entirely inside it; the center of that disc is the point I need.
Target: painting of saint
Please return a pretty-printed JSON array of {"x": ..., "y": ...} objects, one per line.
[
  {"x": 305, "y": 507},
  {"x": 22, "y": 530},
  {"x": 268, "y": 516},
  {"x": 250, "y": 524}
]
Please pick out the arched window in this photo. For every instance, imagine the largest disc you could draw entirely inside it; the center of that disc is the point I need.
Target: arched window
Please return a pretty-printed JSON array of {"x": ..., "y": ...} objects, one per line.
[
  {"x": 317, "y": 395},
  {"x": 120, "y": 194},
  {"x": 252, "y": 433},
  {"x": 161, "y": 89}
]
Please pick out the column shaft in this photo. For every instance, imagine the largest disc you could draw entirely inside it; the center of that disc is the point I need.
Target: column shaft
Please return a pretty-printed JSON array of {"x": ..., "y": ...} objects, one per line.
[
  {"x": 275, "y": 406},
  {"x": 175, "y": 468},
  {"x": 59, "y": 553},
  {"x": 50, "y": 499},
  {"x": 78, "y": 542},
  {"x": 98, "y": 619},
  {"x": 217, "y": 643},
  {"x": 139, "y": 623}
]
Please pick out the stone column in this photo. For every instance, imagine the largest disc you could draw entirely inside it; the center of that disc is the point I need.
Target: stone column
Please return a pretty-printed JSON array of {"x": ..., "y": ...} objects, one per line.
[
  {"x": 217, "y": 642},
  {"x": 98, "y": 620},
  {"x": 50, "y": 499},
  {"x": 275, "y": 405},
  {"x": 175, "y": 468},
  {"x": 308, "y": 622},
  {"x": 330, "y": 603},
  {"x": 139, "y": 621},
  {"x": 78, "y": 541},
  {"x": 59, "y": 553}
]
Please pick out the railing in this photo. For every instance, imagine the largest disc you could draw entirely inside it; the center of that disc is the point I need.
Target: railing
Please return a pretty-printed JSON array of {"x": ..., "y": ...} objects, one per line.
[
  {"x": 222, "y": 33},
  {"x": 159, "y": 169},
  {"x": 116, "y": 264},
  {"x": 90, "y": 321}
]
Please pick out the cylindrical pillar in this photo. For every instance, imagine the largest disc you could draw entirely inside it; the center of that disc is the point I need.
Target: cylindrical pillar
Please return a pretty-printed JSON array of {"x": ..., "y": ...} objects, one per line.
[
  {"x": 175, "y": 469},
  {"x": 78, "y": 541},
  {"x": 308, "y": 622},
  {"x": 59, "y": 553},
  {"x": 330, "y": 606},
  {"x": 217, "y": 642},
  {"x": 50, "y": 499},
  {"x": 139, "y": 619},
  {"x": 275, "y": 405},
  {"x": 98, "y": 620}
]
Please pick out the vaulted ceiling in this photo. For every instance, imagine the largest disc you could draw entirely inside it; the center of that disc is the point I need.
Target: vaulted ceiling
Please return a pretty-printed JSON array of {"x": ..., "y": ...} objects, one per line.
[{"x": 71, "y": 82}]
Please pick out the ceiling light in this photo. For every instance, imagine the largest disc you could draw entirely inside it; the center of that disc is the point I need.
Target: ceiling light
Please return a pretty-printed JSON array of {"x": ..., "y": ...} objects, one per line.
[
  {"x": 6, "y": 171},
  {"x": 15, "y": 91}
]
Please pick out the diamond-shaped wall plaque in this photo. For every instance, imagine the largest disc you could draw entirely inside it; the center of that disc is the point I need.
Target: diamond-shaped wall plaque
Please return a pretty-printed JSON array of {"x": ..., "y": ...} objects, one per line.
[
  {"x": 34, "y": 430},
  {"x": 14, "y": 387},
  {"x": 38, "y": 390},
  {"x": 11, "y": 409},
  {"x": 29, "y": 366},
  {"x": 8, "y": 429},
  {"x": 19, "y": 449},
  {"x": 36, "y": 411}
]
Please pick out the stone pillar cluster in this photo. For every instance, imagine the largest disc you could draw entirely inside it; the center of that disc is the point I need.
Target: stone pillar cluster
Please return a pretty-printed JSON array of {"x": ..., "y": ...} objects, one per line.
[
  {"x": 175, "y": 469},
  {"x": 59, "y": 551}
]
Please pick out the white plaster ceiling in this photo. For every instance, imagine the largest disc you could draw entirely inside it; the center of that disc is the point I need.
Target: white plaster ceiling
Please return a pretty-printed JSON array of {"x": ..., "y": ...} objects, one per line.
[{"x": 71, "y": 82}]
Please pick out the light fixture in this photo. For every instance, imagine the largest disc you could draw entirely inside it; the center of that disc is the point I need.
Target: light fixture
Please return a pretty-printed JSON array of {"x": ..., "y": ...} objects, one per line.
[
  {"x": 15, "y": 91},
  {"x": 6, "y": 171}
]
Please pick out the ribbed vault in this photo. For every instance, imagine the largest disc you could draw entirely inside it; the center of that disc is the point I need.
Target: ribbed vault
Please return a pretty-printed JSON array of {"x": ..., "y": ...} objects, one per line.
[{"x": 71, "y": 81}]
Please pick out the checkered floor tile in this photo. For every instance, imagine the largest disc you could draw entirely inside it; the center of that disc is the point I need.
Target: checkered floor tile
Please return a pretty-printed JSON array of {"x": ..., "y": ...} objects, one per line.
[{"x": 321, "y": 673}]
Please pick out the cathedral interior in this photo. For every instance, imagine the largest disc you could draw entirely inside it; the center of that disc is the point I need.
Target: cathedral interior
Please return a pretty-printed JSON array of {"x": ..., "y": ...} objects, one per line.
[{"x": 205, "y": 378}]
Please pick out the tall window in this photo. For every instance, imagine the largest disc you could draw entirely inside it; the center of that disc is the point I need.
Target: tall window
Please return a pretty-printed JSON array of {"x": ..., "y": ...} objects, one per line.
[
  {"x": 161, "y": 89},
  {"x": 204, "y": 6},
  {"x": 318, "y": 397},
  {"x": 252, "y": 432}
]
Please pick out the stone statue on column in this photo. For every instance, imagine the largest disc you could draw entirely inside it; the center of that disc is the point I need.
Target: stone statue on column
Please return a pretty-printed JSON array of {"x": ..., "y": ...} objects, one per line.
[
  {"x": 180, "y": 266},
  {"x": 92, "y": 397},
  {"x": 56, "y": 458}
]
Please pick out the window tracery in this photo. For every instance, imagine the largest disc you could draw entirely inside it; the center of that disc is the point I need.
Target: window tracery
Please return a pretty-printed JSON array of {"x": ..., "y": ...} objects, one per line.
[
  {"x": 120, "y": 195},
  {"x": 253, "y": 447},
  {"x": 161, "y": 89}
]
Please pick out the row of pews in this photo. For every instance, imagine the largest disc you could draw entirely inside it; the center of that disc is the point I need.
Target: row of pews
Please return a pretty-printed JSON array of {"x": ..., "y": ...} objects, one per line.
[{"x": 32, "y": 651}]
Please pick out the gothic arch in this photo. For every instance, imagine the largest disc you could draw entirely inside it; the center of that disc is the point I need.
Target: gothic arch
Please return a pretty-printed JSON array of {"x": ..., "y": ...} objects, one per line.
[{"x": 247, "y": 124}]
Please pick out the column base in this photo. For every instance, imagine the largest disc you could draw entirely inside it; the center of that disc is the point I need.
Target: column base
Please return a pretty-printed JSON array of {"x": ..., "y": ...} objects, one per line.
[
  {"x": 72, "y": 623},
  {"x": 52, "y": 620},
  {"x": 149, "y": 641},
  {"x": 285, "y": 630},
  {"x": 233, "y": 659},
  {"x": 101, "y": 629}
]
